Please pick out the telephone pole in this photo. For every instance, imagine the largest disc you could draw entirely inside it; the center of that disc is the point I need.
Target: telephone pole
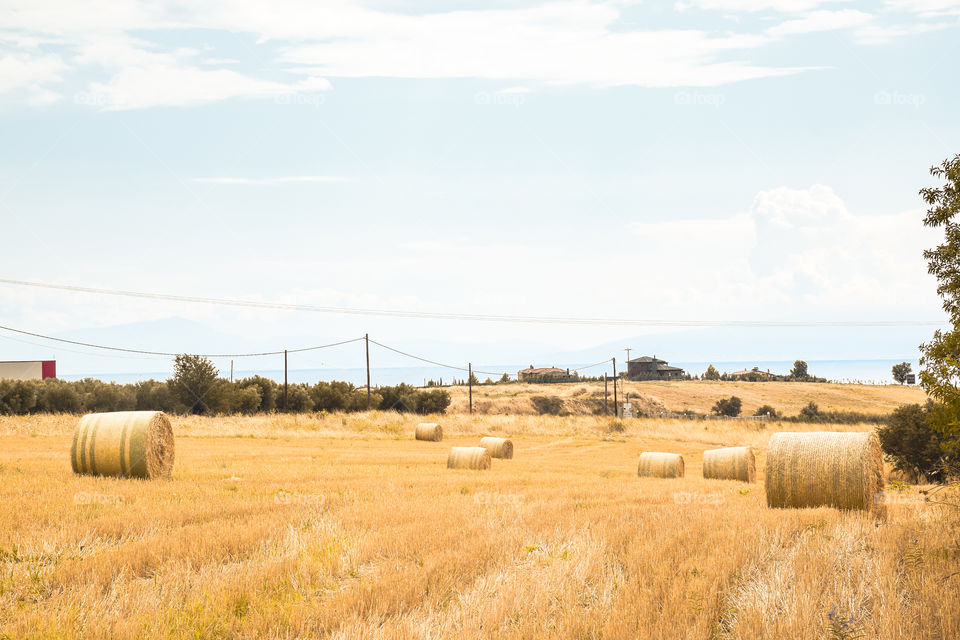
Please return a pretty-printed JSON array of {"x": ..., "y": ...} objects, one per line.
[
  {"x": 284, "y": 380},
  {"x": 606, "y": 405},
  {"x": 628, "y": 350},
  {"x": 366, "y": 338},
  {"x": 470, "y": 382}
]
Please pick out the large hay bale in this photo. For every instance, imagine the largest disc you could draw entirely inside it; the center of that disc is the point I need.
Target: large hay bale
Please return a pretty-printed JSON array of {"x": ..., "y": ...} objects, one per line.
[
  {"x": 468, "y": 458},
  {"x": 660, "y": 465},
  {"x": 132, "y": 444},
  {"x": 498, "y": 447},
  {"x": 429, "y": 431},
  {"x": 832, "y": 469},
  {"x": 730, "y": 463}
]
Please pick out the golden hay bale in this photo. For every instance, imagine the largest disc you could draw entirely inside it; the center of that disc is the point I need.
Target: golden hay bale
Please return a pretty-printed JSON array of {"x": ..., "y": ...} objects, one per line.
[
  {"x": 430, "y": 431},
  {"x": 468, "y": 458},
  {"x": 730, "y": 463},
  {"x": 133, "y": 444},
  {"x": 498, "y": 447},
  {"x": 843, "y": 470},
  {"x": 660, "y": 465}
]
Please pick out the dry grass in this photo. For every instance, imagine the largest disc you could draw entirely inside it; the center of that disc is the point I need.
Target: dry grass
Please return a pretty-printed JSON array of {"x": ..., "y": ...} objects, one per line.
[
  {"x": 345, "y": 527},
  {"x": 694, "y": 395}
]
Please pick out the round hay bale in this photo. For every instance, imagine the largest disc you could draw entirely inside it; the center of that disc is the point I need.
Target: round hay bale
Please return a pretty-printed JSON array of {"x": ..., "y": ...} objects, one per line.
[
  {"x": 730, "y": 463},
  {"x": 498, "y": 447},
  {"x": 430, "y": 431},
  {"x": 825, "y": 469},
  {"x": 131, "y": 444},
  {"x": 468, "y": 458},
  {"x": 660, "y": 465}
]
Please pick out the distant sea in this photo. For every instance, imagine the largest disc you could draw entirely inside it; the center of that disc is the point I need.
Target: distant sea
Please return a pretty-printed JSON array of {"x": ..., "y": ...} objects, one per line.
[{"x": 851, "y": 371}]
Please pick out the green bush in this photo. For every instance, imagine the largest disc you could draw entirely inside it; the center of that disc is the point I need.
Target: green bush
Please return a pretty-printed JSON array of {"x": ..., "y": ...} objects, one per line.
[
  {"x": 811, "y": 412},
  {"x": 17, "y": 397},
  {"x": 729, "y": 407},
  {"x": 58, "y": 396},
  {"x": 911, "y": 443},
  {"x": 767, "y": 410}
]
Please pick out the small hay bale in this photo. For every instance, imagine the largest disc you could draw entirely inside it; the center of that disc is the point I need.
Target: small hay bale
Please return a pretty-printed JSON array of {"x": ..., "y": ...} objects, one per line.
[
  {"x": 730, "y": 463},
  {"x": 430, "y": 431},
  {"x": 825, "y": 469},
  {"x": 130, "y": 444},
  {"x": 660, "y": 465},
  {"x": 498, "y": 447},
  {"x": 468, "y": 458}
]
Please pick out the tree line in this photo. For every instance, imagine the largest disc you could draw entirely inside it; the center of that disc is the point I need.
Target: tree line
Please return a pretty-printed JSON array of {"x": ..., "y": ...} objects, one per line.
[{"x": 197, "y": 388}]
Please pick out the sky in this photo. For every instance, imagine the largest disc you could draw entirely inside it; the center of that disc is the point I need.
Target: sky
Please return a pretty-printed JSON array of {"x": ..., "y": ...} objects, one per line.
[{"x": 690, "y": 160}]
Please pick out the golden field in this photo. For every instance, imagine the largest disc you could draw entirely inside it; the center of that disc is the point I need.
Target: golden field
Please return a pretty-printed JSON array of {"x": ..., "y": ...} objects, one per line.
[
  {"x": 694, "y": 395},
  {"x": 343, "y": 526}
]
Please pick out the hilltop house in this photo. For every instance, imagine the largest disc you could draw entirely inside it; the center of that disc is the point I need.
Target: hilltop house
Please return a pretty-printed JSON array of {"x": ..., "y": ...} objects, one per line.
[
  {"x": 546, "y": 373},
  {"x": 753, "y": 375},
  {"x": 652, "y": 368}
]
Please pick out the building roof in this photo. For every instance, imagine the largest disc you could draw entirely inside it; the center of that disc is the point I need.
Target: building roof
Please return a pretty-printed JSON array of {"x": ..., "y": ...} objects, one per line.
[
  {"x": 647, "y": 359},
  {"x": 749, "y": 371},
  {"x": 666, "y": 367},
  {"x": 536, "y": 372}
]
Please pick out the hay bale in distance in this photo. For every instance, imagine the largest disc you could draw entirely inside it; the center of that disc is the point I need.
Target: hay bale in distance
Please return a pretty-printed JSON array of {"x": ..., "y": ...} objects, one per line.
[
  {"x": 825, "y": 469},
  {"x": 498, "y": 447},
  {"x": 730, "y": 463},
  {"x": 430, "y": 431},
  {"x": 660, "y": 465},
  {"x": 468, "y": 458},
  {"x": 131, "y": 444}
]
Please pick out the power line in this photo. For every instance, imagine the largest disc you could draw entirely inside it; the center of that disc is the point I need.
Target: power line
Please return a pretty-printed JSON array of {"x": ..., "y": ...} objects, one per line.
[
  {"x": 595, "y": 364},
  {"x": 164, "y": 353},
  {"x": 479, "y": 317},
  {"x": 434, "y": 362}
]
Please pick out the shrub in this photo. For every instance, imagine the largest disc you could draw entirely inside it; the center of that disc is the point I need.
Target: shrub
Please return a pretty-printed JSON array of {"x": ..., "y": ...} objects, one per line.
[
  {"x": 17, "y": 397},
  {"x": 767, "y": 410},
  {"x": 911, "y": 443},
  {"x": 547, "y": 405},
  {"x": 728, "y": 407},
  {"x": 57, "y": 396},
  {"x": 432, "y": 401},
  {"x": 267, "y": 388},
  {"x": 811, "y": 412}
]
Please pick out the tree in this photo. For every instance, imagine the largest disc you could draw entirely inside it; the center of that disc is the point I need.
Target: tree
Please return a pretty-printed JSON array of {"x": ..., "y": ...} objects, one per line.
[
  {"x": 901, "y": 371},
  {"x": 940, "y": 373},
  {"x": 505, "y": 378},
  {"x": 909, "y": 442},
  {"x": 728, "y": 407},
  {"x": 711, "y": 373},
  {"x": 799, "y": 371},
  {"x": 195, "y": 383}
]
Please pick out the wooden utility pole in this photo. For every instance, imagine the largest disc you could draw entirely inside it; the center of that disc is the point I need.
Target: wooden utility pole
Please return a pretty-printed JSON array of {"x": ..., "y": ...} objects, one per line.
[
  {"x": 284, "y": 380},
  {"x": 366, "y": 338},
  {"x": 231, "y": 371},
  {"x": 470, "y": 382},
  {"x": 616, "y": 407}
]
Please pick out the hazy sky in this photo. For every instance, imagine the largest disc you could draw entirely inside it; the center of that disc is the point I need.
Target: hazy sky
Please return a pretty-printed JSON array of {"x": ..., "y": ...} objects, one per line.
[{"x": 702, "y": 159}]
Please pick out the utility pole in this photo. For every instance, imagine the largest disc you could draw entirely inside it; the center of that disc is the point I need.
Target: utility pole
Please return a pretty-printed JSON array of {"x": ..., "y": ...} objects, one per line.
[
  {"x": 284, "y": 380},
  {"x": 628, "y": 350},
  {"x": 366, "y": 338},
  {"x": 470, "y": 382},
  {"x": 231, "y": 371},
  {"x": 616, "y": 407}
]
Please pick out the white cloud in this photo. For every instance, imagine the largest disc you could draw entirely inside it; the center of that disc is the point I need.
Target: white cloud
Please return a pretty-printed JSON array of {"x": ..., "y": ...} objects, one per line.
[
  {"x": 272, "y": 181},
  {"x": 882, "y": 34},
  {"x": 785, "y": 6},
  {"x": 18, "y": 71},
  {"x": 822, "y": 21},
  {"x": 927, "y": 8},
  {"x": 796, "y": 250}
]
